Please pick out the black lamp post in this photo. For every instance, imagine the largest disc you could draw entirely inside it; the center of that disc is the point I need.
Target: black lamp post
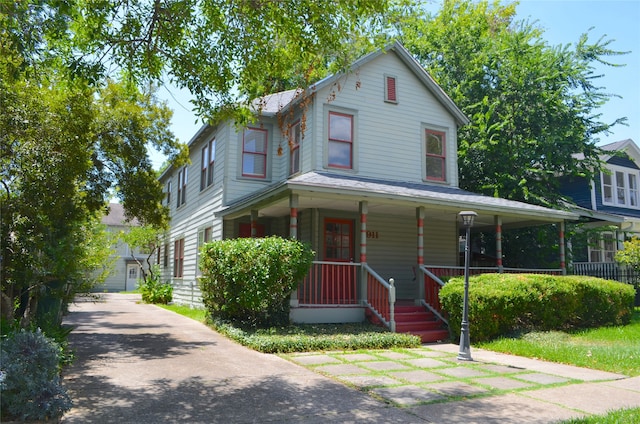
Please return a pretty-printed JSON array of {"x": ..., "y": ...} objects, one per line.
[{"x": 465, "y": 345}]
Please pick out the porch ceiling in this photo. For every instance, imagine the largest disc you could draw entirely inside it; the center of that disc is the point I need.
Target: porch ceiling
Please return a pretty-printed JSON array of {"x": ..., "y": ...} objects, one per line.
[{"x": 441, "y": 203}]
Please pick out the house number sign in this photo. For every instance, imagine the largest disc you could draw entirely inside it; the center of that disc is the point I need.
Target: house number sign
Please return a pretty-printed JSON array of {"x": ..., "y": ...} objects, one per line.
[{"x": 372, "y": 234}]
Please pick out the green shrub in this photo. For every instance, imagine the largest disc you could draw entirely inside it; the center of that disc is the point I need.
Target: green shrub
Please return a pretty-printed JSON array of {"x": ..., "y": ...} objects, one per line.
[
  {"x": 500, "y": 304},
  {"x": 249, "y": 281},
  {"x": 30, "y": 387},
  {"x": 153, "y": 291}
]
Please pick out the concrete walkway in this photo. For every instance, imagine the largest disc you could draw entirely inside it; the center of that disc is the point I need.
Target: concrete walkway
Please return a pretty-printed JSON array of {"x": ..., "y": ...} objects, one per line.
[{"x": 138, "y": 363}]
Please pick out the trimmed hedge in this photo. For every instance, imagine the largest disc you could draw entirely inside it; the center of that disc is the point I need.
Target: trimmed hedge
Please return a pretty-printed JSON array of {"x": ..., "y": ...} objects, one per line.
[
  {"x": 500, "y": 304},
  {"x": 249, "y": 280}
]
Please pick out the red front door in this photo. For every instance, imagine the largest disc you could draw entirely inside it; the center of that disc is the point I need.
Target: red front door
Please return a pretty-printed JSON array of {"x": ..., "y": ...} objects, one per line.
[{"x": 338, "y": 280}]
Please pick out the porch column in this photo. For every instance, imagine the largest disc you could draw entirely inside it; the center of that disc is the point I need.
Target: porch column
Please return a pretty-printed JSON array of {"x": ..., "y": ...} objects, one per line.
[
  {"x": 254, "y": 223},
  {"x": 420, "y": 218},
  {"x": 364, "y": 209},
  {"x": 293, "y": 220},
  {"x": 420, "y": 213},
  {"x": 293, "y": 234},
  {"x": 498, "y": 221},
  {"x": 562, "y": 253}
]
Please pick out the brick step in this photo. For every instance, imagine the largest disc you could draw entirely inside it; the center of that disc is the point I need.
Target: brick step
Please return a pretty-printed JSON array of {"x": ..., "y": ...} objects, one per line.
[
  {"x": 413, "y": 316},
  {"x": 406, "y": 327},
  {"x": 432, "y": 336}
]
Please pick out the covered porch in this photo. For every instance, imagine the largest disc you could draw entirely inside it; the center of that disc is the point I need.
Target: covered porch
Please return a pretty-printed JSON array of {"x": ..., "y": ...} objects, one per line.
[{"x": 377, "y": 243}]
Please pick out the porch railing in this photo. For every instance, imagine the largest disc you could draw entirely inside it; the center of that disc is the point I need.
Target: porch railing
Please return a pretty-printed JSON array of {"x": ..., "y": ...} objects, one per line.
[
  {"x": 381, "y": 297},
  {"x": 330, "y": 283}
]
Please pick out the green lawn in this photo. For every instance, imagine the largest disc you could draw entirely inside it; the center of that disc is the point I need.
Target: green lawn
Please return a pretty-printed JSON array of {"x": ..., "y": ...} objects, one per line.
[{"x": 614, "y": 349}]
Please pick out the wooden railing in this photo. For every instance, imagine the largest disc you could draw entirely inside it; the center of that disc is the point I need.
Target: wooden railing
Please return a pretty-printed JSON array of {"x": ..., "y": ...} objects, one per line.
[
  {"x": 330, "y": 283},
  {"x": 381, "y": 297}
]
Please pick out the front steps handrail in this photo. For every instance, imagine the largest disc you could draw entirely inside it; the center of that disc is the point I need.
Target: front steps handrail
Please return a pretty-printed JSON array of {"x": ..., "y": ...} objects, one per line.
[
  {"x": 381, "y": 297},
  {"x": 424, "y": 303}
]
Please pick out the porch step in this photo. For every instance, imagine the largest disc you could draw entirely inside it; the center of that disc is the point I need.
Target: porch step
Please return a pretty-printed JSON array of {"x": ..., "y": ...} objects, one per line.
[{"x": 418, "y": 321}]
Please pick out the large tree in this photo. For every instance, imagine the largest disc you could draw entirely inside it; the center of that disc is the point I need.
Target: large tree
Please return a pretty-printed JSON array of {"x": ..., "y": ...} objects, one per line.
[{"x": 533, "y": 106}]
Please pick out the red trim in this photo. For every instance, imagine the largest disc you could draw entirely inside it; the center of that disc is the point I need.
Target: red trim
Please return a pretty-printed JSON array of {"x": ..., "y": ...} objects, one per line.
[
  {"x": 348, "y": 141},
  {"x": 442, "y": 156},
  {"x": 255, "y": 152},
  {"x": 391, "y": 89}
]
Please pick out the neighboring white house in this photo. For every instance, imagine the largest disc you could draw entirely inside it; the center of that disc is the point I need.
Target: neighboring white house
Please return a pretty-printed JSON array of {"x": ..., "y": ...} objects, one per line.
[
  {"x": 126, "y": 270},
  {"x": 361, "y": 165}
]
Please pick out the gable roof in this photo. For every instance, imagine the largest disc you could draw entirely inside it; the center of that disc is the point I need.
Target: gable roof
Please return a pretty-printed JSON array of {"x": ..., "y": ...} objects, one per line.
[
  {"x": 272, "y": 104},
  {"x": 116, "y": 216},
  {"x": 628, "y": 146}
]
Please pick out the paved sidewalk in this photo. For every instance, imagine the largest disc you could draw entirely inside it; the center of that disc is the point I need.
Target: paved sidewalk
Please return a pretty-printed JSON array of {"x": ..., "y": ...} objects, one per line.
[{"x": 138, "y": 363}]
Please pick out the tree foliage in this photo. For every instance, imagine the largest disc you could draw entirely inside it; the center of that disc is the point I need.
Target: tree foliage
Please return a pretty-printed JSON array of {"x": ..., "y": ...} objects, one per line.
[
  {"x": 226, "y": 53},
  {"x": 533, "y": 106}
]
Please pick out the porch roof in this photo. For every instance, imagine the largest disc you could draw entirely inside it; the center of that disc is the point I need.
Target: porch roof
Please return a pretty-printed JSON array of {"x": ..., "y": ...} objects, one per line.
[{"x": 338, "y": 191}]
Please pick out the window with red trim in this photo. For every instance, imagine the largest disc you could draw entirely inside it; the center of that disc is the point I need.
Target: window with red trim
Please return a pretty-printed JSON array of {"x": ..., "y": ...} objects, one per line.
[
  {"x": 338, "y": 240},
  {"x": 435, "y": 155},
  {"x": 254, "y": 153},
  {"x": 340, "y": 140},
  {"x": 182, "y": 186},
  {"x": 207, "y": 160}
]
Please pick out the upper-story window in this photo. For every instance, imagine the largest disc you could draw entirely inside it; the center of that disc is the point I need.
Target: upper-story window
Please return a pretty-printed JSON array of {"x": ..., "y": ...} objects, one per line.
[
  {"x": 620, "y": 188},
  {"x": 169, "y": 193},
  {"x": 182, "y": 186},
  {"x": 294, "y": 148},
  {"x": 435, "y": 155},
  {"x": 390, "y": 92},
  {"x": 254, "y": 153},
  {"x": 340, "y": 146},
  {"x": 207, "y": 160}
]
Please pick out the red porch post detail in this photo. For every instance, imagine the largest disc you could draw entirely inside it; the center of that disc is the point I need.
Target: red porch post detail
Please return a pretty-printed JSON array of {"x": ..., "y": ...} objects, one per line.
[
  {"x": 563, "y": 265},
  {"x": 499, "y": 243},
  {"x": 254, "y": 223},
  {"x": 293, "y": 220},
  {"x": 364, "y": 209},
  {"x": 420, "y": 219}
]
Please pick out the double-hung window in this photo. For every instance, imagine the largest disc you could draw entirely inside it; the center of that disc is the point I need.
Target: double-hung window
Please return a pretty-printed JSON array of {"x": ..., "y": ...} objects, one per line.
[
  {"x": 340, "y": 147},
  {"x": 204, "y": 236},
  {"x": 254, "y": 153},
  {"x": 294, "y": 148},
  {"x": 435, "y": 155},
  {"x": 182, "y": 186},
  {"x": 207, "y": 161},
  {"x": 620, "y": 188},
  {"x": 178, "y": 258},
  {"x": 169, "y": 193},
  {"x": 602, "y": 248}
]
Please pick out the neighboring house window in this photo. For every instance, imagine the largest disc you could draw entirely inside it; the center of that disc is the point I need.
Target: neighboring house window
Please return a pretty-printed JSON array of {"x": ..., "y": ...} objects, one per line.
[
  {"x": 436, "y": 155},
  {"x": 206, "y": 167},
  {"x": 602, "y": 248},
  {"x": 169, "y": 193},
  {"x": 620, "y": 188},
  {"x": 165, "y": 257},
  {"x": 390, "y": 93},
  {"x": 340, "y": 140},
  {"x": 254, "y": 153},
  {"x": 204, "y": 236},
  {"x": 294, "y": 148},
  {"x": 158, "y": 252},
  {"x": 182, "y": 186},
  {"x": 244, "y": 230},
  {"x": 178, "y": 258}
]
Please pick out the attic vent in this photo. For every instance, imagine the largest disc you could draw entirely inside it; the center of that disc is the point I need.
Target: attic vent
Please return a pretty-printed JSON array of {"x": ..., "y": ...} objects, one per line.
[{"x": 390, "y": 94}]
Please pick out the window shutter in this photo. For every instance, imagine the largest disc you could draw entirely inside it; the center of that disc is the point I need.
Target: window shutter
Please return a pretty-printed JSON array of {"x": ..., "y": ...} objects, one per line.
[{"x": 391, "y": 90}]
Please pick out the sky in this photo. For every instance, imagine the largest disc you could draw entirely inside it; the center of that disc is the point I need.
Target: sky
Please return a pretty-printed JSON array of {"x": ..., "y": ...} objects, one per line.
[{"x": 563, "y": 22}]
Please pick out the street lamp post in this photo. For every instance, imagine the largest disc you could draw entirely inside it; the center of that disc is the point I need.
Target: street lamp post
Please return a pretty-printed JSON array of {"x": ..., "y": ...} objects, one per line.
[{"x": 464, "y": 353}]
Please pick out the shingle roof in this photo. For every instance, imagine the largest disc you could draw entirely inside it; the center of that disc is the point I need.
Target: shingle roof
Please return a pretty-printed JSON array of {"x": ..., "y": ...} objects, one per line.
[
  {"x": 420, "y": 191},
  {"x": 116, "y": 216}
]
